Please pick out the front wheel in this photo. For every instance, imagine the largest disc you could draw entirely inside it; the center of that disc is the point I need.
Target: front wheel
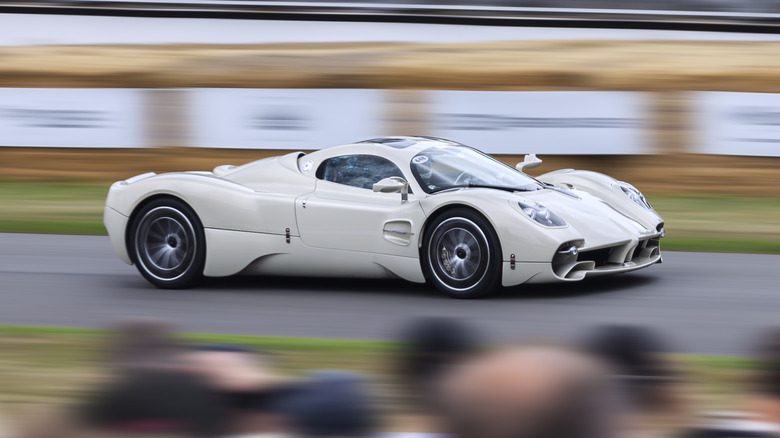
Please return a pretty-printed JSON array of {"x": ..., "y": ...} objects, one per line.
[
  {"x": 168, "y": 244},
  {"x": 461, "y": 254}
]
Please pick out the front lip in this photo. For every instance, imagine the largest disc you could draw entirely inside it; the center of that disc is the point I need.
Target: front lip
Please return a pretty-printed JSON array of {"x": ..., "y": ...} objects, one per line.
[{"x": 621, "y": 256}]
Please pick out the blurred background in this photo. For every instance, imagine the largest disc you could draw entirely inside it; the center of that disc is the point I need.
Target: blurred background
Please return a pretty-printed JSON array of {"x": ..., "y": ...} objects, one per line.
[
  {"x": 676, "y": 96},
  {"x": 679, "y": 97}
]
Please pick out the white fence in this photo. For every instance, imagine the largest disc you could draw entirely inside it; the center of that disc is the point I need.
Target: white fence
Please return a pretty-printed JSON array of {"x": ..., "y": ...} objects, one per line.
[
  {"x": 498, "y": 122},
  {"x": 739, "y": 124},
  {"x": 54, "y": 29},
  {"x": 96, "y": 118}
]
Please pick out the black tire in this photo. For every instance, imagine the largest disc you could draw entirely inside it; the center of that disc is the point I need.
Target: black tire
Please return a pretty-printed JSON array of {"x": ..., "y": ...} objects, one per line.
[
  {"x": 167, "y": 244},
  {"x": 461, "y": 254}
]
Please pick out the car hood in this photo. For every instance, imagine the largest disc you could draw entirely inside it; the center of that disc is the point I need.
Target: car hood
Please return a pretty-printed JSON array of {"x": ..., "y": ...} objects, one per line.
[{"x": 589, "y": 215}]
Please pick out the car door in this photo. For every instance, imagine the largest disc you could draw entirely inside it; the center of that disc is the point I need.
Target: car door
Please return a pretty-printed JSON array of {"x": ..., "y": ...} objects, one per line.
[{"x": 345, "y": 213}]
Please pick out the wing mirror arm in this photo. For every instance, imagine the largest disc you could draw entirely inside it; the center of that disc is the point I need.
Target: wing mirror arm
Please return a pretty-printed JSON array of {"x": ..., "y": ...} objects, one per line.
[
  {"x": 393, "y": 184},
  {"x": 529, "y": 162}
]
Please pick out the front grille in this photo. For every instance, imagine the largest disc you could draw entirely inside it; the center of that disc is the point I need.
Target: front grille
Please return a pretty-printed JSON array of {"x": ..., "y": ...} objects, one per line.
[
  {"x": 599, "y": 256},
  {"x": 574, "y": 266},
  {"x": 647, "y": 248}
]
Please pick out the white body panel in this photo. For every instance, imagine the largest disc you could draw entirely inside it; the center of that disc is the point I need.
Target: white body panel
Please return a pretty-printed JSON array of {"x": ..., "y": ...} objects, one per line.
[
  {"x": 354, "y": 219},
  {"x": 278, "y": 217}
]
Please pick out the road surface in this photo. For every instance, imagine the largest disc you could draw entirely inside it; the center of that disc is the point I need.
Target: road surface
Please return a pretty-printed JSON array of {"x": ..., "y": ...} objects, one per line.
[{"x": 704, "y": 303}]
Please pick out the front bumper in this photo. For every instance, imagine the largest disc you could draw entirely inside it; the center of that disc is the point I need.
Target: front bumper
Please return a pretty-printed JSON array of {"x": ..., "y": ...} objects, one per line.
[
  {"x": 622, "y": 257},
  {"x": 116, "y": 223},
  {"x": 619, "y": 257}
]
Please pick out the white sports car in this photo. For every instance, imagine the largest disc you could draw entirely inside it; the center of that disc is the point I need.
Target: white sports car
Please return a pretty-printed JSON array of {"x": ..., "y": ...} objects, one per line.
[{"x": 462, "y": 221}]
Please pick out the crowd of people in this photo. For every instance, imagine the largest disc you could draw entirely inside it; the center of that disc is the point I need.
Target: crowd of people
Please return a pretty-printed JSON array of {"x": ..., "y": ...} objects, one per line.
[{"x": 616, "y": 382}]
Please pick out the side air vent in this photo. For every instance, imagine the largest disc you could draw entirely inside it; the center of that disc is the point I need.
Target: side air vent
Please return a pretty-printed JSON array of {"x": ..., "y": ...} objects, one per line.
[{"x": 398, "y": 232}]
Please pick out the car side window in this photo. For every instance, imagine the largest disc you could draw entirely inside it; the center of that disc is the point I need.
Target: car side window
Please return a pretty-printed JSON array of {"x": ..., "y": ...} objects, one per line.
[{"x": 357, "y": 170}]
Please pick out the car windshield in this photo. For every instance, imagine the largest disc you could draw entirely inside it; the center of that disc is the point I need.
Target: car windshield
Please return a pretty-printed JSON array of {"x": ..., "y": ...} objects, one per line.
[{"x": 446, "y": 167}]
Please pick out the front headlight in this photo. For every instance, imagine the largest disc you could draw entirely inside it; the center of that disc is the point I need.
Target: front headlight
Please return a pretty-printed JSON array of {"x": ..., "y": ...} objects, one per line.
[
  {"x": 634, "y": 194},
  {"x": 541, "y": 214}
]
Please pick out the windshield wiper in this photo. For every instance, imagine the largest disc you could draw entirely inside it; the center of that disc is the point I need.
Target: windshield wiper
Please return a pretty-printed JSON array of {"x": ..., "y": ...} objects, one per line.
[
  {"x": 484, "y": 186},
  {"x": 506, "y": 188}
]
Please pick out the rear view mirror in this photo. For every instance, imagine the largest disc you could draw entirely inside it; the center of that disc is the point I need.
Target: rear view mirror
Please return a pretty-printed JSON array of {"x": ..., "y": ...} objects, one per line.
[
  {"x": 529, "y": 162},
  {"x": 393, "y": 184}
]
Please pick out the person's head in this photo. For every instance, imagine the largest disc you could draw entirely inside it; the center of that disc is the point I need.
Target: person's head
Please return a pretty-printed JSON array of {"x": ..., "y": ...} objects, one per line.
[
  {"x": 532, "y": 391},
  {"x": 635, "y": 356},
  {"x": 330, "y": 404},
  {"x": 231, "y": 368},
  {"x": 134, "y": 344},
  {"x": 431, "y": 345},
  {"x": 251, "y": 390},
  {"x": 768, "y": 382}
]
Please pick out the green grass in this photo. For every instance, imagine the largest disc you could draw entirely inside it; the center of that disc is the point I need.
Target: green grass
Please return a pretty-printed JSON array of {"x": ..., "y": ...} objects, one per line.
[
  {"x": 254, "y": 341},
  {"x": 720, "y": 223},
  {"x": 693, "y": 223},
  {"x": 52, "y": 207}
]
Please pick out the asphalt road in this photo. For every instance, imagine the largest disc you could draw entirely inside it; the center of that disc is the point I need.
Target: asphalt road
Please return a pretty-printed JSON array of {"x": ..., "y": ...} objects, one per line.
[{"x": 703, "y": 303}]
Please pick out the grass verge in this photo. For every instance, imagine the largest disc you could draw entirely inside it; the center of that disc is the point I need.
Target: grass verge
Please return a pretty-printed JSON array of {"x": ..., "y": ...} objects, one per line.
[
  {"x": 52, "y": 207},
  {"x": 693, "y": 223}
]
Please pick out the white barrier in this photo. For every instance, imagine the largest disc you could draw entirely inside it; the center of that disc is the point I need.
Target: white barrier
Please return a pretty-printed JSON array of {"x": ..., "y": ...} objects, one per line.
[
  {"x": 498, "y": 122},
  {"x": 283, "y": 118},
  {"x": 544, "y": 122},
  {"x": 495, "y": 122},
  {"x": 55, "y": 117},
  {"x": 49, "y": 29},
  {"x": 738, "y": 124}
]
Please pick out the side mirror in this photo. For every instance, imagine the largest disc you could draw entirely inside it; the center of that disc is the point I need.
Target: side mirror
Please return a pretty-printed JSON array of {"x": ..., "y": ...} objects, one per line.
[
  {"x": 393, "y": 184},
  {"x": 529, "y": 162}
]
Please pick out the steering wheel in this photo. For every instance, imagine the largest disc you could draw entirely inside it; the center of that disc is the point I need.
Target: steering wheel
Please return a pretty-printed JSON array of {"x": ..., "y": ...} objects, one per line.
[{"x": 463, "y": 179}]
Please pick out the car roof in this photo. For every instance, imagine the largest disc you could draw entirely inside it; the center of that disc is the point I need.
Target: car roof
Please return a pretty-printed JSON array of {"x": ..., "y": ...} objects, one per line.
[{"x": 399, "y": 147}]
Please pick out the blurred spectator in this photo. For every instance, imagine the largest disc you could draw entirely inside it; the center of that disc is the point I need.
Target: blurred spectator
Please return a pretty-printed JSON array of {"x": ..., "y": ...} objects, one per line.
[
  {"x": 533, "y": 391},
  {"x": 430, "y": 346},
  {"x": 768, "y": 379},
  {"x": 649, "y": 384},
  {"x": 6, "y": 429},
  {"x": 250, "y": 389},
  {"x": 762, "y": 417},
  {"x": 733, "y": 424},
  {"x": 153, "y": 390},
  {"x": 143, "y": 344},
  {"x": 331, "y": 404}
]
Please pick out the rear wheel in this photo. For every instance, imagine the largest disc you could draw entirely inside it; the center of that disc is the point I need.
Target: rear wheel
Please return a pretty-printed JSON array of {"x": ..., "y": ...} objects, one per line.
[
  {"x": 168, "y": 244},
  {"x": 461, "y": 254}
]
